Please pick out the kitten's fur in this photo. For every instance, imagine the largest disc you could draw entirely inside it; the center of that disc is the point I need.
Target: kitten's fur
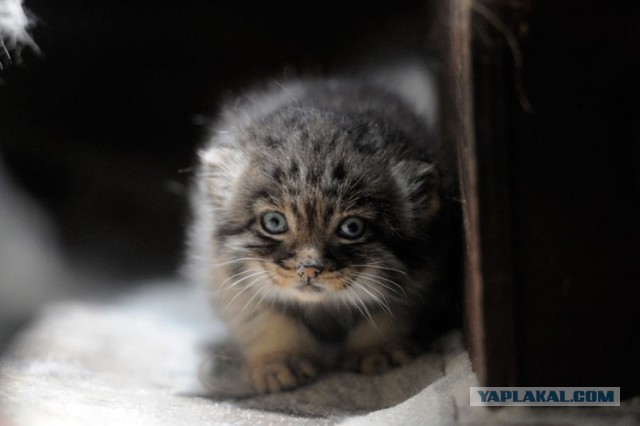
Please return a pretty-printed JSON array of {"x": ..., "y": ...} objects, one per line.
[{"x": 318, "y": 294}]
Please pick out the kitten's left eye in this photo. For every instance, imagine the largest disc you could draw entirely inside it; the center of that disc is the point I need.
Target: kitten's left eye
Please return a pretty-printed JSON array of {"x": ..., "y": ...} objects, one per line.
[
  {"x": 351, "y": 228},
  {"x": 274, "y": 222}
]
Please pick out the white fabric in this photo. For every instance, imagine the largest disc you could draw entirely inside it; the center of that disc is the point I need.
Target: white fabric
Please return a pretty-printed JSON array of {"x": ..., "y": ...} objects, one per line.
[{"x": 135, "y": 360}]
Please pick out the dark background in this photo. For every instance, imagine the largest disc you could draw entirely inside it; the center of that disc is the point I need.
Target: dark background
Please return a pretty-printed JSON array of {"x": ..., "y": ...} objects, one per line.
[
  {"x": 102, "y": 128},
  {"x": 552, "y": 193},
  {"x": 575, "y": 189}
]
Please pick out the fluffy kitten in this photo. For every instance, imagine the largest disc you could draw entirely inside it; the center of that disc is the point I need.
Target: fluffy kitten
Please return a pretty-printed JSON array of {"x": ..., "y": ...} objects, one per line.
[{"x": 315, "y": 220}]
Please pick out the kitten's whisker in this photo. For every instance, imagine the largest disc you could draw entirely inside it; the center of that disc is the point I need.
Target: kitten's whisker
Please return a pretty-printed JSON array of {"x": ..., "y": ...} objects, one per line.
[
  {"x": 357, "y": 305},
  {"x": 259, "y": 291},
  {"x": 361, "y": 286},
  {"x": 259, "y": 302},
  {"x": 245, "y": 288},
  {"x": 343, "y": 298},
  {"x": 247, "y": 277},
  {"x": 226, "y": 290},
  {"x": 337, "y": 299},
  {"x": 245, "y": 271},
  {"x": 379, "y": 280},
  {"x": 241, "y": 259},
  {"x": 398, "y": 291},
  {"x": 252, "y": 272},
  {"x": 381, "y": 267},
  {"x": 380, "y": 300},
  {"x": 367, "y": 313},
  {"x": 383, "y": 279}
]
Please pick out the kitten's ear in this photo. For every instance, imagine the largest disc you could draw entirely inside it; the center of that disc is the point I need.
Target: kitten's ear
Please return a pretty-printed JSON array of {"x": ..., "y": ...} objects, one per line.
[
  {"x": 420, "y": 181},
  {"x": 221, "y": 168}
]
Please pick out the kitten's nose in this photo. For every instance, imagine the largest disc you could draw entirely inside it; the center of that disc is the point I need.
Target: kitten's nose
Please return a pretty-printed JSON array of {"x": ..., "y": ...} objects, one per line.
[{"x": 309, "y": 270}]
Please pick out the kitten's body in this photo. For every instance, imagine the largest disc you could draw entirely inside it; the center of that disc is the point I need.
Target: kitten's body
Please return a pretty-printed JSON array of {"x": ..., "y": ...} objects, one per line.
[{"x": 315, "y": 218}]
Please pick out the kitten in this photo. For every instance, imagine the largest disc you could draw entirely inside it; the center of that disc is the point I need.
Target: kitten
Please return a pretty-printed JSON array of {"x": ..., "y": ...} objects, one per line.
[{"x": 316, "y": 215}]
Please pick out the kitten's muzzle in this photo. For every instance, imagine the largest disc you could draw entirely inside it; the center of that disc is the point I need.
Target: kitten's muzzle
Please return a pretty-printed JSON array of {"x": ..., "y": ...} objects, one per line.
[{"x": 309, "y": 270}]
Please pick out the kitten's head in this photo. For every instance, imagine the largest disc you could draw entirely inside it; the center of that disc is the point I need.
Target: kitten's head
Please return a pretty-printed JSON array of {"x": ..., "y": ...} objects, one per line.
[{"x": 315, "y": 208}]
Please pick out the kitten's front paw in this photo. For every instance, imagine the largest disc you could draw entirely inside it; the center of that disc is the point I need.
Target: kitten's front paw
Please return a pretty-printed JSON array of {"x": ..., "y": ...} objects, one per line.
[
  {"x": 378, "y": 360},
  {"x": 280, "y": 372}
]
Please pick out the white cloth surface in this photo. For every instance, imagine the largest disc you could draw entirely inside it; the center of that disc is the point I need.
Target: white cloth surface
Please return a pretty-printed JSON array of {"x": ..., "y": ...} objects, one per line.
[{"x": 136, "y": 360}]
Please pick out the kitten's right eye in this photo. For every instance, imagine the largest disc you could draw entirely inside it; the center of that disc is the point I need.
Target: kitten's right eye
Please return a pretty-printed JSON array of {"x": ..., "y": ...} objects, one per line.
[{"x": 274, "y": 223}]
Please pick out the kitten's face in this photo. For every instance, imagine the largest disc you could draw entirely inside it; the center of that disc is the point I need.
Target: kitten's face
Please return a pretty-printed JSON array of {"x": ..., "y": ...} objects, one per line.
[
  {"x": 325, "y": 225},
  {"x": 316, "y": 245}
]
